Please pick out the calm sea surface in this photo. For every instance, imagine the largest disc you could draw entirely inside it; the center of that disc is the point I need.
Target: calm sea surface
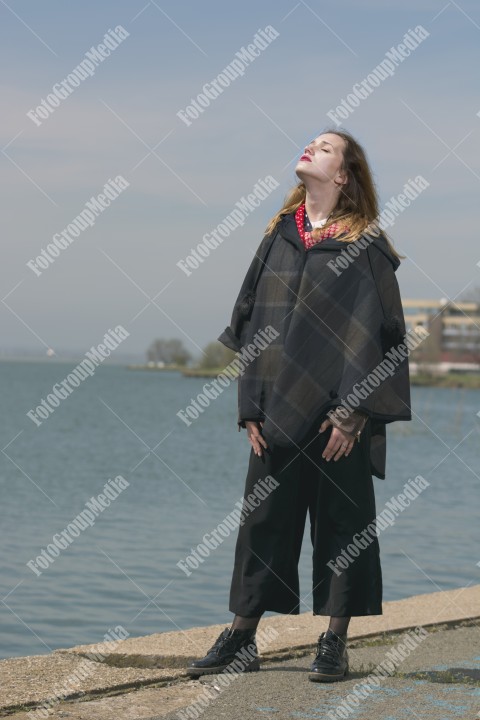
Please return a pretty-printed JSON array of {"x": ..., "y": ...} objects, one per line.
[{"x": 183, "y": 482}]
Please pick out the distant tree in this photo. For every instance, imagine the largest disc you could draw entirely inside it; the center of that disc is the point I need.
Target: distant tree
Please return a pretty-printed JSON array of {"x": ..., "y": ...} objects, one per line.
[
  {"x": 168, "y": 351},
  {"x": 472, "y": 295},
  {"x": 216, "y": 355}
]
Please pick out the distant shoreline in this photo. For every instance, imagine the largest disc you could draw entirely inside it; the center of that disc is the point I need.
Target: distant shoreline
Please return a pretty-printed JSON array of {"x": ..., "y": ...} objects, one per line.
[
  {"x": 185, "y": 371},
  {"x": 453, "y": 380}
]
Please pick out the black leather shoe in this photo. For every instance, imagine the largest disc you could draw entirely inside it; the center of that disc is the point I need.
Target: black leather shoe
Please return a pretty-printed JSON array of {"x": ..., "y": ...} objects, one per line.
[
  {"x": 331, "y": 662},
  {"x": 235, "y": 647}
]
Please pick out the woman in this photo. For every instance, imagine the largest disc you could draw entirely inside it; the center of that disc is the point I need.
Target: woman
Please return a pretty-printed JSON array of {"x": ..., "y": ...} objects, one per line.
[{"x": 314, "y": 401}]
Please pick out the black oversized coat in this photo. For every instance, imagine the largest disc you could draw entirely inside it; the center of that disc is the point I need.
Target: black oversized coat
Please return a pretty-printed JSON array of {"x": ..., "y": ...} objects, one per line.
[{"x": 333, "y": 328}]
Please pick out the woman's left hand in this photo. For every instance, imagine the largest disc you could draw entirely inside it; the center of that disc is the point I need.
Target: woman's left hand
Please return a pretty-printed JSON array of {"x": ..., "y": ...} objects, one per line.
[{"x": 340, "y": 443}]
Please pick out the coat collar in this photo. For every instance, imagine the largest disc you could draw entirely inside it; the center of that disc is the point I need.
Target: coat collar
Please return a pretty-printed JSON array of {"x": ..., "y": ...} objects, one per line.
[{"x": 289, "y": 231}]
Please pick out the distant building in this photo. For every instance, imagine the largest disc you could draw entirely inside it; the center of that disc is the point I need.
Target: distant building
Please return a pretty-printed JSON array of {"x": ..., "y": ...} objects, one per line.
[{"x": 454, "y": 328}]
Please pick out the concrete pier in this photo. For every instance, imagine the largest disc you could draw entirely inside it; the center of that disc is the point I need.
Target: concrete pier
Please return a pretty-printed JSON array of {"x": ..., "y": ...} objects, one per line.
[{"x": 144, "y": 678}]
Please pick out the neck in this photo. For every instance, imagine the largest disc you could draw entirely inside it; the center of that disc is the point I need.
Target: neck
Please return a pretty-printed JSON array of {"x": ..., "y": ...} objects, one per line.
[{"x": 320, "y": 203}]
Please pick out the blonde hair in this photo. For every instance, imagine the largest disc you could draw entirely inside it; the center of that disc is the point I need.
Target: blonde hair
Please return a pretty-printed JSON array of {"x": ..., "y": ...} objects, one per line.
[{"x": 357, "y": 206}]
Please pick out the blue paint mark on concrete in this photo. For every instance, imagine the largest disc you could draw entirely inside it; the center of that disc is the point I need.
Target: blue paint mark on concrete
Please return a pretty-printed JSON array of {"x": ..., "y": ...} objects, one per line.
[
  {"x": 456, "y": 709},
  {"x": 353, "y": 711},
  {"x": 331, "y": 700},
  {"x": 372, "y": 689},
  {"x": 327, "y": 706},
  {"x": 389, "y": 691},
  {"x": 267, "y": 709},
  {"x": 468, "y": 663},
  {"x": 383, "y": 689}
]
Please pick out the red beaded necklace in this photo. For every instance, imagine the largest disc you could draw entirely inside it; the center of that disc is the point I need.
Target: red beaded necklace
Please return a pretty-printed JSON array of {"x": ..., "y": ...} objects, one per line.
[{"x": 306, "y": 235}]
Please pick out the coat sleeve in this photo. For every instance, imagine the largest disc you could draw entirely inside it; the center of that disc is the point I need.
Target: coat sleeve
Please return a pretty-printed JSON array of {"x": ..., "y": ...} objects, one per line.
[
  {"x": 232, "y": 336},
  {"x": 353, "y": 425}
]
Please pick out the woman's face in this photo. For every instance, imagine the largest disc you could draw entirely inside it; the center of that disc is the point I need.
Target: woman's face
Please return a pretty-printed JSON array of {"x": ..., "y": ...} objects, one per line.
[{"x": 322, "y": 160}]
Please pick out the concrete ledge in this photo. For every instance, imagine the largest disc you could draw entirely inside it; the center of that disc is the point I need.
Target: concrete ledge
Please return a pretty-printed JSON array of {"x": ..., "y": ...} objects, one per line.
[
  {"x": 160, "y": 659},
  {"x": 175, "y": 649},
  {"x": 31, "y": 681}
]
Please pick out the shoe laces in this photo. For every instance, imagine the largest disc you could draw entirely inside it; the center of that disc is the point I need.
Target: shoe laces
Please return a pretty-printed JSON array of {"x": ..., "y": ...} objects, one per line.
[
  {"x": 329, "y": 648},
  {"x": 220, "y": 641},
  {"x": 224, "y": 640}
]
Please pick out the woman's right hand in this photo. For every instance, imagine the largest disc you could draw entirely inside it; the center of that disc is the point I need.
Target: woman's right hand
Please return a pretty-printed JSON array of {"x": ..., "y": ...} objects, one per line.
[{"x": 255, "y": 437}]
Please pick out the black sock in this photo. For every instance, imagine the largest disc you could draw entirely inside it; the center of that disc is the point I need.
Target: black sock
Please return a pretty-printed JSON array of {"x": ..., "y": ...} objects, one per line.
[
  {"x": 339, "y": 625},
  {"x": 242, "y": 623}
]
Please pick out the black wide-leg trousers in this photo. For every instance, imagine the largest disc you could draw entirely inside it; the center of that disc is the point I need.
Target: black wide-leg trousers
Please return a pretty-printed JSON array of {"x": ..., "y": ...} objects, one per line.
[{"x": 339, "y": 497}]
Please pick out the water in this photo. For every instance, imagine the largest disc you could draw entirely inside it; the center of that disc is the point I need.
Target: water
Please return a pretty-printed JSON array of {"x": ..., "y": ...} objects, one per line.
[{"x": 183, "y": 482}]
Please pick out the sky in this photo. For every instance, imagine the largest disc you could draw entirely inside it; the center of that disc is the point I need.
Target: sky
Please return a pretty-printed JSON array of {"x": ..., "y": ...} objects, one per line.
[{"x": 184, "y": 179}]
